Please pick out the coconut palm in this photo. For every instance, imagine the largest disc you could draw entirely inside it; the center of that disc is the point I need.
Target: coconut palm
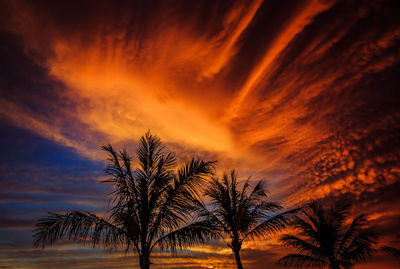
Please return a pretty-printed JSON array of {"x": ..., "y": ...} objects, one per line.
[
  {"x": 150, "y": 205},
  {"x": 237, "y": 215},
  {"x": 326, "y": 241}
]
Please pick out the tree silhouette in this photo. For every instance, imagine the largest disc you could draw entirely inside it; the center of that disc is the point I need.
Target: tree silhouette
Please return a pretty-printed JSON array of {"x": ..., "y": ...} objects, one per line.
[
  {"x": 150, "y": 205},
  {"x": 242, "y": 214},
  {"x": 326, "y": 241}
]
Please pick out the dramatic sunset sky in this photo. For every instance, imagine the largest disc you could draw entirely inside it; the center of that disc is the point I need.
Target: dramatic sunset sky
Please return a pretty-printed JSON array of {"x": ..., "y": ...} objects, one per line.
[{"x": 302, "y": 94}]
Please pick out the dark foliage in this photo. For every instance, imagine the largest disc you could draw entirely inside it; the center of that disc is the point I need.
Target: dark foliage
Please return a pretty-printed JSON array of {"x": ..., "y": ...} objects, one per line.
[
  {"x": 151, "y": 205},
  {"x": 241, "y": 214},
  {"x": 394, "y": 252},
  {"x": 325, "y": 241}
]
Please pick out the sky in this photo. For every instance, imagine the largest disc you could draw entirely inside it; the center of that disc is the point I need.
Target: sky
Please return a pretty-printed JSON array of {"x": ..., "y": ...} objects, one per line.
[{"x": 303, "y": 94}]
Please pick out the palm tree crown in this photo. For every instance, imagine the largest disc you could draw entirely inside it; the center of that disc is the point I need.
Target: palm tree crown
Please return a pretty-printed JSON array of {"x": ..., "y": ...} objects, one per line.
[
  {"x": 325, "y": 241},
  {"x": 150, "y": 205},
  {"x": 240, "y": 214}
]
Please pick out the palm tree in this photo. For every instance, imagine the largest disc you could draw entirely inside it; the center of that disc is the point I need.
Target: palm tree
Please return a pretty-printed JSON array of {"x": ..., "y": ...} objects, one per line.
[
  {"x": 150, "y": 205},
  {"x": 325, "y": 239},
  {"x": 242, "y": 214}
]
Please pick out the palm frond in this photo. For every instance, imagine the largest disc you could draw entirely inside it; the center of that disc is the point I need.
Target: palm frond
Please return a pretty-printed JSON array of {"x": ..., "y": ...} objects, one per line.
[
  {"x": 361, "y": 246},
  {"x": 120, "y": 174},
  {"x": 306, "y": 229},
  {"x": 80, "y": 226},
  {"x": 394, "y": 252},
  {"x": 178, "y": 197},
  {"x": 301, "y": 261},
  {"x": 201, "y": 211},
  {"x": 339, "y": 212},
  {"x": 193, "y": 234},
  {"x": 271, "y": 226},
  {"x": 192, "y": 175},
  {"x": 149, "y": 151},
  {"x": 258, "y": 191},
  {"x": 303, "y": 246},
  {"x": 352, "y": 231}
]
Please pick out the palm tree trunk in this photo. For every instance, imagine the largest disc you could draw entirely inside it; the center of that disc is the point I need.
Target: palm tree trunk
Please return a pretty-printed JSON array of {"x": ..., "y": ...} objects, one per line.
[
  {"x": 144, "y": 261},
  {"x": 237, "y": 258}
]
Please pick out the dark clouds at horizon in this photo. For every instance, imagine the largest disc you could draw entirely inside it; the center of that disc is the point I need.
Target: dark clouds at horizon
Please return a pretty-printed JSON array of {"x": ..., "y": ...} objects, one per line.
[{"x": 304, "y": 94}]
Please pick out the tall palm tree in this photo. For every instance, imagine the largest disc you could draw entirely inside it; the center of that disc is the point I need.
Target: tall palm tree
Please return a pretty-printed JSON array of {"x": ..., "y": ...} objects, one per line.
[
  {"x": 237, "y": 215},
  {"x": 326, "y": 241},
  {"x": 150, "y": 205}
]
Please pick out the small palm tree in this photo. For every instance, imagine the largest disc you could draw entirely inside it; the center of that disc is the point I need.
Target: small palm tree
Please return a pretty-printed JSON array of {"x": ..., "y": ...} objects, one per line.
[
  {"x": 326, "y": 241},
  {"x": 242, "y": 214},
  {"x": 150, "y": 205}
]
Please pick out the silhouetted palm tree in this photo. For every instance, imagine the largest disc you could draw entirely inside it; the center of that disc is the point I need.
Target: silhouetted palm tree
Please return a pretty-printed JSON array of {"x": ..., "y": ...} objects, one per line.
[
  {"x": 394, "y": 252},
  {"x": 242, "y": 214},
  {"x": 325, "y": 241},
  {"x": 150, "y": 205}
]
